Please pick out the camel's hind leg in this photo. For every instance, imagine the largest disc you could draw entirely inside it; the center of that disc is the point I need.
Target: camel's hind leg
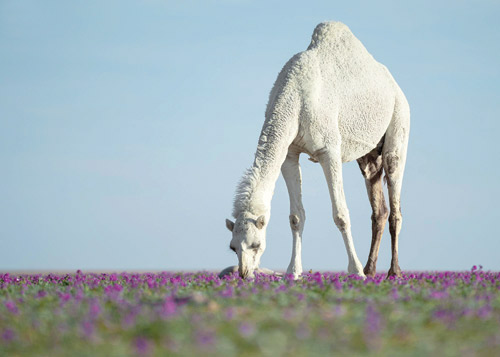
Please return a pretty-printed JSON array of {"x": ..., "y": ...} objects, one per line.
[
  {"x": 293, "y": 178},
  {"x": 372, "y": 170},
  {"x": 394, "y": 159}
]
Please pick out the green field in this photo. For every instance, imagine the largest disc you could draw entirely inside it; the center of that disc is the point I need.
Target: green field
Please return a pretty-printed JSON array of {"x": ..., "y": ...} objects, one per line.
[{"x": 158, "y": 314}]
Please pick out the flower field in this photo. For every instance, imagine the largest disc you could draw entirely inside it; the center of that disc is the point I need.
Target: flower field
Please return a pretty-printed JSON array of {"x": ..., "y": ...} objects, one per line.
[{"x": 158, "y": 314}]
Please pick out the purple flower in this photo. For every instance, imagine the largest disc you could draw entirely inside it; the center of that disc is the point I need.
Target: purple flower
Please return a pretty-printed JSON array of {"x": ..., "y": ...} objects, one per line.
[
  {"x": 340, "y": 310},
  {"x": 373, "y": 319},
  {"x": 64, "y": 297},
  {"x": 337, "y": 284},
  {"x": 373, "y": 326},
  {"x": 128, "y": 320},
  {"x": 152, "y": 283},
  {"x": 246, "y": 329},
  {"x": 229, "y": 313},
  {"x": 438, "y": 295},
  {"x": 169, "y": 307},
  {"x": 142, "y": 346},
  {"x": 87, "y": 328},
  {"x": 394, "y": 294},
  {"x": 8, "y": 335},
  {"x": 484, "y": 312},
  {"x": 94, "y": 309},
  {"x": 445, "y": 316},
  {"x": 228, "y": 292},
  {"x": 317, "y": 277},
  {"x": 281, "y": 288},
  {"x": 205, "y": 339},
  {"x": 11, "y": 306}
]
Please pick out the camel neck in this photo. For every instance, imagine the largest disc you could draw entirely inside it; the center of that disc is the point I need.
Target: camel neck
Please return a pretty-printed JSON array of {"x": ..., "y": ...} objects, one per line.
[{"x": 256, "y": 189}]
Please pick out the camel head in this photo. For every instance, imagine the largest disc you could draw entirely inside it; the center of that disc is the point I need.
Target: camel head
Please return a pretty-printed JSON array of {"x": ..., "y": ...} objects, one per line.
[{"x": 248, "y": 242}]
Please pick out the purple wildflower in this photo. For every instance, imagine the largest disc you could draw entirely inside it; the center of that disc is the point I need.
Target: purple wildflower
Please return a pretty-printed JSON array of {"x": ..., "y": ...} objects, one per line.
[
  {"x": 169, "y": 307},
  {"x": 8, "y": 335},
  {"x": 318, "y": 278},
  {"x": 438, "y": 295},
  {"x": 11, "y": 306},
  {"x": 229, "y": 313},
  {"x": 228, "y": 292},
  {"x": 281, "y": 288},
  {"x": 87, "y": 328},
  {"x": 337, "y": 284},
  {"x": 205, "y": 339},
  {"x": 373, "y": 326},
  {"x": 94, "y": 309},
  {"x": 142, "y": 346},
  {"x": 64, "y": 297},
  {"x": 445, "y": 316},
  {"x": 246, "y": 329},
  {"x": 484, "y": 312}
]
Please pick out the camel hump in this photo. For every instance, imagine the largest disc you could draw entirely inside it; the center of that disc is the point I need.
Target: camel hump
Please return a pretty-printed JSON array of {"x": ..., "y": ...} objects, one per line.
[{"x": 328, "y": 32}]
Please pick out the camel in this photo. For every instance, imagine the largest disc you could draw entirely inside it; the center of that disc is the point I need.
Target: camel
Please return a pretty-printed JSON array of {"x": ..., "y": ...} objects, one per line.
[{"x": 335, "y": 103}]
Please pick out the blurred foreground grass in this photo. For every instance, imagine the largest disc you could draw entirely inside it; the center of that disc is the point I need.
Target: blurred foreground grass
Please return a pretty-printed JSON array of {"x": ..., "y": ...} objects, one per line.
[{"x": 158, "y": 314}]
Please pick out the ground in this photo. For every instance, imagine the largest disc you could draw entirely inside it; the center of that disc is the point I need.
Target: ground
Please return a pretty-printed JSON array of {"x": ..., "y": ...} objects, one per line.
[{"x": 158, "y": 314}]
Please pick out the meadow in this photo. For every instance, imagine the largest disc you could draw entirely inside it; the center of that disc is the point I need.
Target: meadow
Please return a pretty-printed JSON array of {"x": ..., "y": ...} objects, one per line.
[{"x": 159, "y": 314}]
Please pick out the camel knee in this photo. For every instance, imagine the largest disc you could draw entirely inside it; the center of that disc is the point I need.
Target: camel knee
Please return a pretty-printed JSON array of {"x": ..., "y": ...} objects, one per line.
[
  {"x": 297, "y": 221},
  {"x": 380, "y": 216},
  {"x": 342, "y": 222},
  {"x": 395, "y": 221},
  {"x": 391, "y": 163}
]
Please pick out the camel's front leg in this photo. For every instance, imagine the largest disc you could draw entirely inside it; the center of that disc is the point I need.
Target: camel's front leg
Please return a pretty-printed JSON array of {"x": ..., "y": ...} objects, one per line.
[
  {"x": 291, "y": 173},
  {"x": 332, "y": 166}
]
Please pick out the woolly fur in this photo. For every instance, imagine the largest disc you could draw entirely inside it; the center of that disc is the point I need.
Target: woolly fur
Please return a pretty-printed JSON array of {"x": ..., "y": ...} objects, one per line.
[
  {"x": 334, "y": 102},
  {"x": 334, "y": 87}
]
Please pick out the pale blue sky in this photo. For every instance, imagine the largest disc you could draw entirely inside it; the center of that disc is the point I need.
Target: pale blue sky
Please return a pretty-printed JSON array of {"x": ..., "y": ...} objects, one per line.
[{"x": 125, "y": 126}]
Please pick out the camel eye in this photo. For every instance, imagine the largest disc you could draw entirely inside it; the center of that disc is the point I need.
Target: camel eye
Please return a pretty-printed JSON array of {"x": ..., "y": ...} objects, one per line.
[{"x": 255, "y": 246}]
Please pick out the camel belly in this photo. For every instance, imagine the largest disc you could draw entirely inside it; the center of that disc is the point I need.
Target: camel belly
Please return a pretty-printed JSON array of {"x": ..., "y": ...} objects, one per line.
[
  {"x": 356, "y": 143},
  {"x": 358, "y": 127},
  {"x": 363, "y": 122}
]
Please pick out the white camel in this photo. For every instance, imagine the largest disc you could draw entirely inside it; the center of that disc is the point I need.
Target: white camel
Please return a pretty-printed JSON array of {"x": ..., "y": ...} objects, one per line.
[{"x": 335, "y": 103}]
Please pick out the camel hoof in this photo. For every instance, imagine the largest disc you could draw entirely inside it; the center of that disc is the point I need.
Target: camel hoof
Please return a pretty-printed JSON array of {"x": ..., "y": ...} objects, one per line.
[
  {"x": 361, "y": 275},
  {"x": 369, "y": 273},
  {"x": 394, "y": 272},
  {"x": 356, "y": 269}
]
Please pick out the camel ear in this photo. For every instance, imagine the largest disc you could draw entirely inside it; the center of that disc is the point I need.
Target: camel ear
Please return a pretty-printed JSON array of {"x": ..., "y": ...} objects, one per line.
[
  {"x": 260, "y": 222},
  {"x": 229, "y": 225}
]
